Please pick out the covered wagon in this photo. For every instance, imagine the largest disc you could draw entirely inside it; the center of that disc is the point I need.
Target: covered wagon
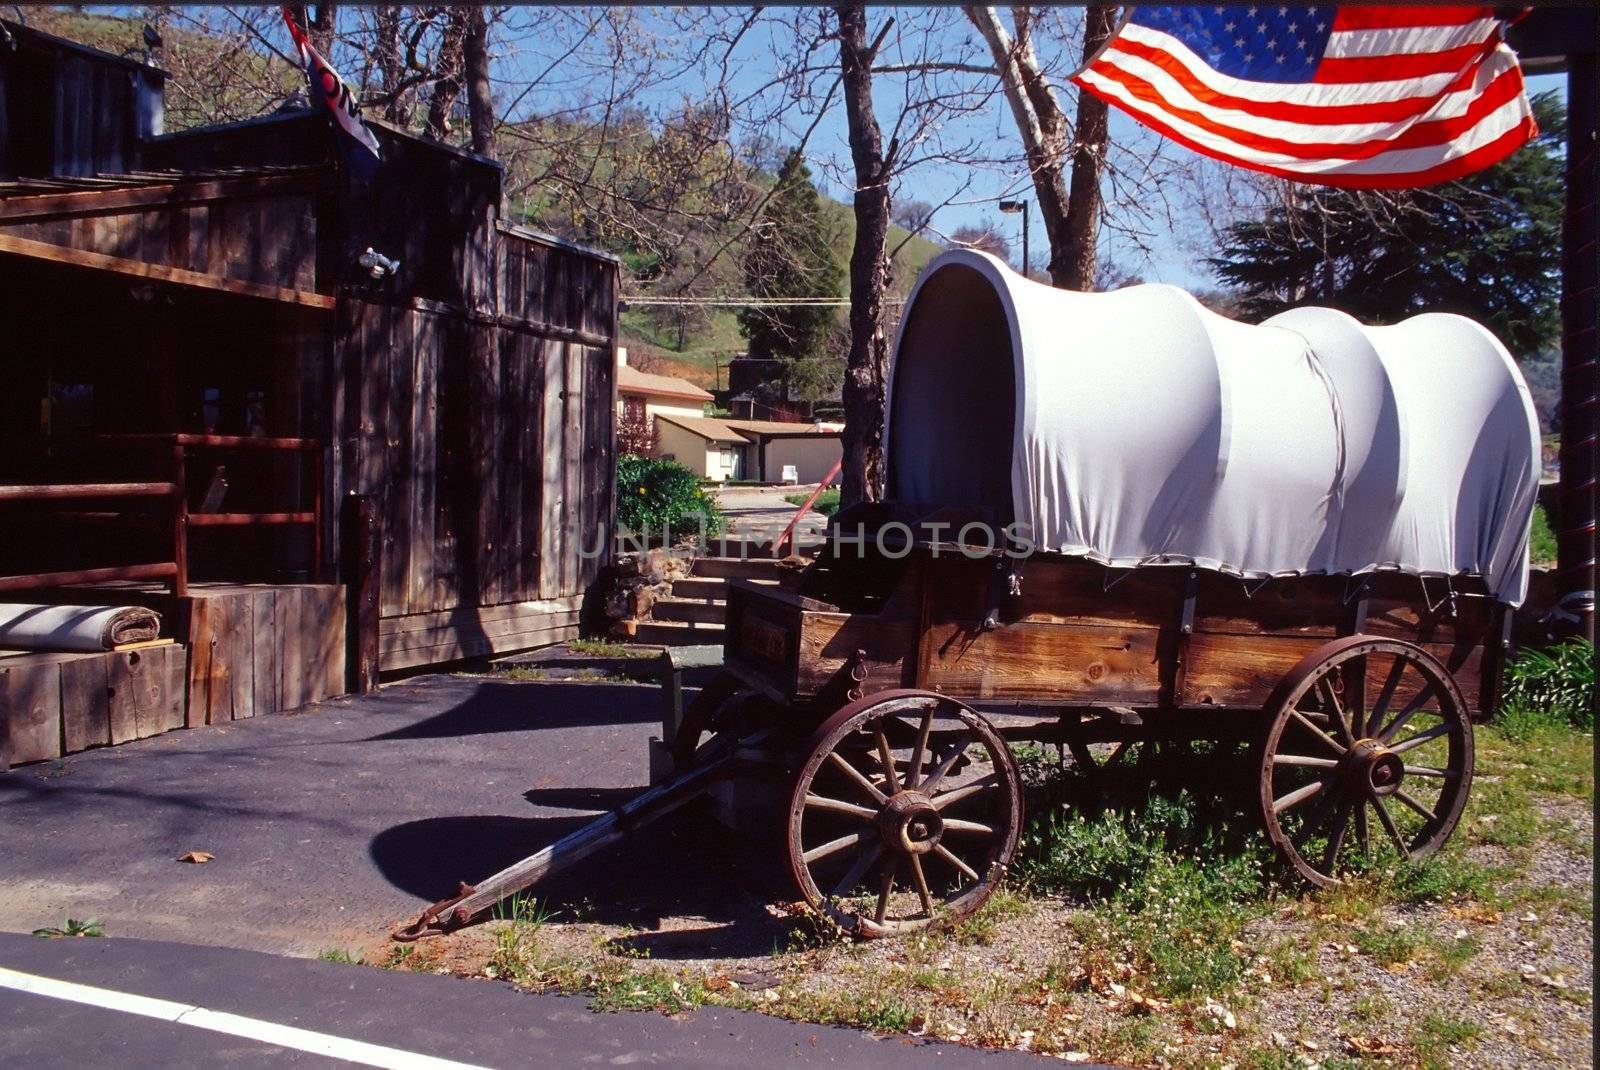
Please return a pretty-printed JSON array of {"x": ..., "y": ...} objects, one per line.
[{"x": 1115, "y": 519}]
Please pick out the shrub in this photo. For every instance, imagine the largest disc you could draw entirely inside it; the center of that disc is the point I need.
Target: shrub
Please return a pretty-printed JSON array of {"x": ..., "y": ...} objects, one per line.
[
  {"x": 1542, "y": 542},
  {"x": 655, "y": 496},
  {"x": 1559, "y": 680}
]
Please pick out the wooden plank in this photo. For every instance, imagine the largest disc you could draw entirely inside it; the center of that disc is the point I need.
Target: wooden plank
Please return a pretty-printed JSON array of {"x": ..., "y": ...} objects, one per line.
[
  {"x": 509, "y": 463},
  {"x": 362, "y": 543},
  {"x": 531, "y": 472},
  {"x": 396, "y": 488},
  {"x": 30, "y": 709},
  {"x": 1071, "y": 663},
  {"x": 322, "y": 619},
  {"x": 164, "y": 195},
  {"x": 200, "y": 651},
  {"x": 144, "y": 698},
  {"x": 295, "y": 641},
  {"x": 572, "y": 465},
  {"x": 266, "y": 646},
  {"x": 395, "y": 642},
  {"x": 552, "y": 491},
  {"x": 1240, "y": 670},
  {"x": 467, "y": 615},
  {"x": 85, "y": 703},
  {"x": 427, "y": 349},
  {"x": 160, "y": 273},
  {"x": 477, "y": 646}
]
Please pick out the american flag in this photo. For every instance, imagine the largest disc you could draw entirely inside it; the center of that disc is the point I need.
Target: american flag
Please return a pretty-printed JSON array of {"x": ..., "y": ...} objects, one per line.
[{"x": 1343, "y": 96}]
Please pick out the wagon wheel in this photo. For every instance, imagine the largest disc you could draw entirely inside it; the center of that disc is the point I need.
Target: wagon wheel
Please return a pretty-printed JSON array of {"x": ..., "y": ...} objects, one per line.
[
  {"x": 1369, "y": 746},
  {"x": 906, "y": 811},
  {"x": 720, "y": 705}
]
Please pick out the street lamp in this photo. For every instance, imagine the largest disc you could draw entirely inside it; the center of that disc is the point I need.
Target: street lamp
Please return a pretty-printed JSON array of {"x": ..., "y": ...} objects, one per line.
[{"x": 1020, "y": 206}]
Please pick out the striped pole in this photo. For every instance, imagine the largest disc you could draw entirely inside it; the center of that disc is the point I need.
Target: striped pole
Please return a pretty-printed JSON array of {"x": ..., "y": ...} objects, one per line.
[{"x": 1580, "y": 331}]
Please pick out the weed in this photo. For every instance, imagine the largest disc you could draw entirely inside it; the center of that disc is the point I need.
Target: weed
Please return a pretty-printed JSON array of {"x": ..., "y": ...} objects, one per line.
[
  {"x": 601, "y": 648},
  {"x": 74, "y": 927},
  {"x": 1390, "y": 945},
  {"x": 827, "y": 502},
  {"x": 1445, "y": 876},
  {"x": 1560, "y": 680},
  {"x": 339, "y": 954},
  {"x": 1450, "y": 956},
  {"x": 1437, "y": 1033}
]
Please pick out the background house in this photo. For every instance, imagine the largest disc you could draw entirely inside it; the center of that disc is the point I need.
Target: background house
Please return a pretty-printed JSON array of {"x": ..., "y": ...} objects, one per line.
[
  {"x": 758, "y": 450},
  {"x": 644, "y": 396}
]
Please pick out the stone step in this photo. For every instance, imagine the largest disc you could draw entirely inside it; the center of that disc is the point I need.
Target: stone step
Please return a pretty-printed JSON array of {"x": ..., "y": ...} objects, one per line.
[
  {"x": 701, "y": 611},
  {"x": 677, "y": 633},
  {"x": 746, "y": 568},
  {"x": 703, "y": 588}
]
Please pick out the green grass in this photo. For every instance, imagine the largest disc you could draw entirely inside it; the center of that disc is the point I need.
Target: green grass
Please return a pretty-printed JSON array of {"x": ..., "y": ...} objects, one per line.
[
  {"x": 1542, "y": 543},
  {"x": 339, "y": 954},
  {"x": 602, "y": 648},
  {"x": 827, "y": 502},
  {"x": 74, "y": 927}
]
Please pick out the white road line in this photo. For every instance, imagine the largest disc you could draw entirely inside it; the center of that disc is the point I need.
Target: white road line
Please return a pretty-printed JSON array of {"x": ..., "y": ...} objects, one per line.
[{"x": 284, "y": 1036}]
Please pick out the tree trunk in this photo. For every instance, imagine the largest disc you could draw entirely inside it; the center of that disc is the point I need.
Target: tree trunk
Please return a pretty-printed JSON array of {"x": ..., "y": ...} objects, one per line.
[
  {"x": 480, "y": 96},
  {"x": 447, "y": 86},
  {"x": 866, "y": 368},
  {"x": 391, "y": 63},
  {"x": 1088, "y": 157},
  {"x": 320, "y": 29},
  {"x": 1071, "y": 215}
]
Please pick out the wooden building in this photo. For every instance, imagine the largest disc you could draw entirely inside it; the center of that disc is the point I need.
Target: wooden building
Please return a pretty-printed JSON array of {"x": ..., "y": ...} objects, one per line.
[{"x": 200, "y": 312}]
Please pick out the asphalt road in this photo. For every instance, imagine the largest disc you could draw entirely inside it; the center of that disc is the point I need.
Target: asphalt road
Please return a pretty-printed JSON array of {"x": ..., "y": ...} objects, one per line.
[{"x": 227, "y": 1008}]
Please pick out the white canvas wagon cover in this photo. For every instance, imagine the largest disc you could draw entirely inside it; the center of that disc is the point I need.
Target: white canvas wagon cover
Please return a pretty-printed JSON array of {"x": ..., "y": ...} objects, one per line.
[{"x": 1138, "y": 427}]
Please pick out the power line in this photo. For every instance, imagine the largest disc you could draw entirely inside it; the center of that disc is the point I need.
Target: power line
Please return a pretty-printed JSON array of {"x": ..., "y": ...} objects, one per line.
[{"x": 747, "y": 302}]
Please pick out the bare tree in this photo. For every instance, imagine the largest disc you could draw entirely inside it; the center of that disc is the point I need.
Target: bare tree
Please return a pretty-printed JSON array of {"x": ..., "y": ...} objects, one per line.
[
  {"x": 448, "y": 75},
  {"x": 867, "y": 366},
  {"x": 480, "y": 95}
]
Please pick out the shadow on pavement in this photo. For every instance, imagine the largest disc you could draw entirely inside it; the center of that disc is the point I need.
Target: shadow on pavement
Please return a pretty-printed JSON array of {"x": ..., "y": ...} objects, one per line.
[
  {"x": 685, "y": 866},
  {"x": 515, "y": 707}
]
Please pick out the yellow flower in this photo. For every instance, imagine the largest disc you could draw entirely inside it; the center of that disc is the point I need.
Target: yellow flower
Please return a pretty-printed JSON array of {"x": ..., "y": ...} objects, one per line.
[{"x": 641, "y": 490}]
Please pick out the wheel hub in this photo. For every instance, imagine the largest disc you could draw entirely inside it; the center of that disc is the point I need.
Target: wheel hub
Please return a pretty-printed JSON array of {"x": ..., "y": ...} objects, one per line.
[
  {"x": 910, "y": 824},
  {"x": 1373, "y": 768}
]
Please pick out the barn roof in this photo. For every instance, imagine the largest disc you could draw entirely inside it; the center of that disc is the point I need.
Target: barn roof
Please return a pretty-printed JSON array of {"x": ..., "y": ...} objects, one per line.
[
  {"x": 1137, "y": 427},
  {"x": 707, "y": 428}
]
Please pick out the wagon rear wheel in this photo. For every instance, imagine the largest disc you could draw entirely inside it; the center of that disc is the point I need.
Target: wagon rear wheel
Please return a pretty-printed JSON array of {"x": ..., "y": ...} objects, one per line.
[
  {"x": 1368, "y": 756},
  {"x": 906, "y": 811}
]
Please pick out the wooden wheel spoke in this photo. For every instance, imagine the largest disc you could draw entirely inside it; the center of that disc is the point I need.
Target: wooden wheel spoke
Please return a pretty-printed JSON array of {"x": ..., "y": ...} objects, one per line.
[
  {"x": 843, "y": 843},
  {"x": 1420, "y": 738},
  {"x": 1341, "y": 824},
  {"x": 920, "y": 881},
  {"x": 884, "y": 891},
  {"x": 1303, "y": 760},
  {"x": 1405, "y": 797},
  {"x": 1363, "y": 830},
  {"x": 1326, "y": 807},
  {"x": 976, "y": 828},
  {"x": 858, "y": 778},
  {"x": 1298, "y": 796},
  {"x": 966, "y": 791},
  {"x": 839, "y": 806},
  {"x": 1409, "y": 711},
  {"x": 1355, "y": 686},
  {"x": 1430, "y": 772},
  {"x": 886, "y": 757},
  {"x": 1333, "y": 744},
  {"x": 1335, "y": 708},
  {"x": 858, "y": 869},
  {"x": 1385, "y": 695},
  {"x": 1389, "y": 826},
  {"x": 914, "y": 766},
  {"x": 965, "y": 870},
  {"x": 948, "y": 762}
]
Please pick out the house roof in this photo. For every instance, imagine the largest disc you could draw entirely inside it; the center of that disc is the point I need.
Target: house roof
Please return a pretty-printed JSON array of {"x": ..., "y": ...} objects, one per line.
[
  {"x": 706, "y": 427},
  {"x": 631, "y": 380},
  {"x": 743, "y": 432},
  {"x": 781, "y": 427}
]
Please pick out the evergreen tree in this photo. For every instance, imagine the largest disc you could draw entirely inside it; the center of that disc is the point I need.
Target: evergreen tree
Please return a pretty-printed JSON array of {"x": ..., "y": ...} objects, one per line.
[
  {"x": 1487, "y": 246},
  {"x": 790, "y": 254}
]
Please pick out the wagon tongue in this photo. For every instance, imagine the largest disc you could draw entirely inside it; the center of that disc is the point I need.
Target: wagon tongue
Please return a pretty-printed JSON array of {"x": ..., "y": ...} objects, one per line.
[{"x": 458, "y": 910}]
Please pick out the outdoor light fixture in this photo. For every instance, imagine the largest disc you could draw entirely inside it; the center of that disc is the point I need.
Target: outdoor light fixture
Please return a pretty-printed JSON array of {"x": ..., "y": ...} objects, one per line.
[
  {"x": 377, "y": 265},
  {"x": 1020, "y": 206}
]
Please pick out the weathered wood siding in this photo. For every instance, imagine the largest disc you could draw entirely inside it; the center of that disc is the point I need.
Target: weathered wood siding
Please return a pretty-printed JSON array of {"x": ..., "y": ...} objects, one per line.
[{"x": 486, "y": 436}]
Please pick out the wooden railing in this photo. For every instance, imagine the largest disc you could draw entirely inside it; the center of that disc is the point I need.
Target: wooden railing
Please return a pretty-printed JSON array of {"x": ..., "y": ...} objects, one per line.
[{"x": 181, "y": 519}]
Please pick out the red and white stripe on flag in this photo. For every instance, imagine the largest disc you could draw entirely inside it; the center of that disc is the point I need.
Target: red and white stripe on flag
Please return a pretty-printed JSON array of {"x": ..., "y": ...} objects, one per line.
[
  {"x": 1343, "y": 96},
  {"x": 328, "y": 88}
]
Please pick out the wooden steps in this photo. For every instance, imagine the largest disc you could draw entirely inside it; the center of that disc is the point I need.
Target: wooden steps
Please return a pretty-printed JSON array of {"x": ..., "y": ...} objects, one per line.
[{"x": 693, "y": 614}]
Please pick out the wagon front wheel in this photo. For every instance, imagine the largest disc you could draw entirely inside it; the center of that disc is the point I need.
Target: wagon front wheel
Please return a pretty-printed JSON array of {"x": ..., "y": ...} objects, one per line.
[
  {"x": 1368, "y": 755},
  {"x": 906, "y": 811}
]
